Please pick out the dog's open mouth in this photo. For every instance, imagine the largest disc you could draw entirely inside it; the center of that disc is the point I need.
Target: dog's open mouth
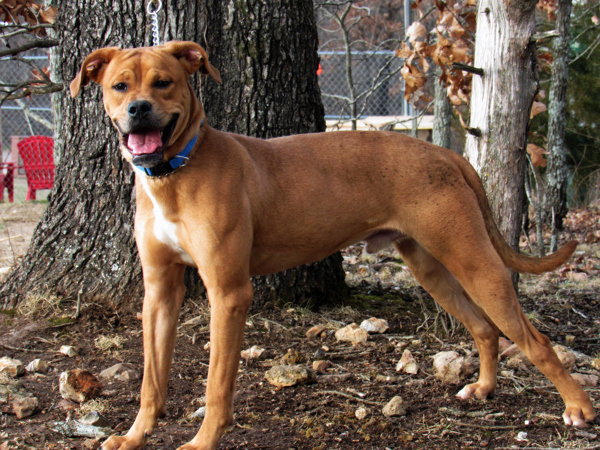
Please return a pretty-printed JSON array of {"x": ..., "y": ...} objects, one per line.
[{"x": 147, "y": 145}]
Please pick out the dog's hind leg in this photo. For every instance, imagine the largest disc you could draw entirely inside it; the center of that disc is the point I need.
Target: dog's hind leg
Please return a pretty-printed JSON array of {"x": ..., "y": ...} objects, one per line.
[
  {"x": 449, "y": 294},
  {"x": 466, "y": 251}
]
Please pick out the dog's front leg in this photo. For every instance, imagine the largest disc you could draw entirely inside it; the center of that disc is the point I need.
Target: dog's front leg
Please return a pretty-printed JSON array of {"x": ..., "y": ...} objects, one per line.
[
  {"x": 229, "y": 304},
  {"x": 164, "y": 291}
]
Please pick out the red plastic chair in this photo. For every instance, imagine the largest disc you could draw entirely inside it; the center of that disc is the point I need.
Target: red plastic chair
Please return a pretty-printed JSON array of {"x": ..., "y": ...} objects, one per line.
[
  {"x": 7, "y": 180},
  {"x": 38, "y": 162}
]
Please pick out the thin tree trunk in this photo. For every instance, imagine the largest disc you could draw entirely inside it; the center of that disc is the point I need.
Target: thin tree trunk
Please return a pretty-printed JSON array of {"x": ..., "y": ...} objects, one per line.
[
  {"x": 267, "y": 55},
  {"x": 556, "y": 171},
  {"x": 442, "y": 114},
  {"x": 84, "y": 241},
  {"x": 501, "y": 105}
]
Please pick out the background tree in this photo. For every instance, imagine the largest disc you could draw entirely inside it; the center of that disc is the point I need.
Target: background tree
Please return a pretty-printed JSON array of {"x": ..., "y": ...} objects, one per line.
[
  {"x": 84, "y": 242},
  {"x": 501, "y": 105},
  {"x": 267, "y": 55}
]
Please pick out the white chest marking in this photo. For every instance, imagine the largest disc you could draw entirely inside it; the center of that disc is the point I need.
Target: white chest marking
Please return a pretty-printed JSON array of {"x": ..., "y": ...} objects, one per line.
[{"x": 165, "y": 230}]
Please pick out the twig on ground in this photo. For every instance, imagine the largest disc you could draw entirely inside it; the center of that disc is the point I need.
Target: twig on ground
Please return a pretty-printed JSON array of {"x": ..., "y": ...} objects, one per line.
[{"x": 368, "y": 402}]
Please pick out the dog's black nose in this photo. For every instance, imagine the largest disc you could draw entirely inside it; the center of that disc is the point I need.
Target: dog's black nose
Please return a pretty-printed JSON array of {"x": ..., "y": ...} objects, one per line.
[{"x": 139, "y": 109}]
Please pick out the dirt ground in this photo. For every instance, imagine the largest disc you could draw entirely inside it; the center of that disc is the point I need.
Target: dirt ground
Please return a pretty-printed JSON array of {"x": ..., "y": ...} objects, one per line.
[{"x": 564, "y": 305}]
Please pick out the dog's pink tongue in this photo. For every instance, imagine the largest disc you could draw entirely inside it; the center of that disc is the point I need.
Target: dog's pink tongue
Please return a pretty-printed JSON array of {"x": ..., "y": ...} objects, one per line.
[{"x": 144, "y": 143}]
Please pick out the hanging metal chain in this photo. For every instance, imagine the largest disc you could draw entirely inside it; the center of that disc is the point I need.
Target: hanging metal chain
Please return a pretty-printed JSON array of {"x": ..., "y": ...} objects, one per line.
[{"x": 154, "y": 7}]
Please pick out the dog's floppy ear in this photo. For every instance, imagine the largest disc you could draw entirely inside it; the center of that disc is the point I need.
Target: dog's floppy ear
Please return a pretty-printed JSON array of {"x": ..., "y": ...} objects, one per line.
[
  {"x": 193, "y": 58},
  {"x": 92, "y": 68}
]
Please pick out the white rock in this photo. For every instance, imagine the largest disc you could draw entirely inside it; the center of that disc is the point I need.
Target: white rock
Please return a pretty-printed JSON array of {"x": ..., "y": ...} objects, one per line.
[
  {"x": 11, "y": 367},
  {"x": 566, "y": 356},
  {"x": 198, "y": 415},
  {"x": 78, "y": 385},
  {"x": 68, "y": 350},
  {"x": 37, "y": 365},
  {"x": 352, "y": 333},
  {"x": 450, "y": 367},
  {"x": 254, "y": 352},
  {"x": 283, "y": 376},
  {"x": 375, "y": 325},
  {"x": 120, "y": 372},
  {"x": 395, "y": 407},
  {"x": 361, "y": 413},
  {"x": 585, "y": 380},
  {"x": 407, "y": 363}
]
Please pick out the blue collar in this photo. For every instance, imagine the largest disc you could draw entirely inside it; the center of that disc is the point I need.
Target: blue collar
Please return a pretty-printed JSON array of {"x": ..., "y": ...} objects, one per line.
[{"x": 166, "y": 168}]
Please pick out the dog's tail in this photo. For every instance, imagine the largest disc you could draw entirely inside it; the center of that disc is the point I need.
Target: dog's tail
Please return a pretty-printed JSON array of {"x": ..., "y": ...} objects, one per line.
[{"x": 512, "y": 258}]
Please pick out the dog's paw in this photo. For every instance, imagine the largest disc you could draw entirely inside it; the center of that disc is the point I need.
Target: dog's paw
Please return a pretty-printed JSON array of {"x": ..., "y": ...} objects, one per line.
[
  {"x": 123, "y": 443},
  {"x": 478, "y": 390},
  {"x": 578, "y": 417}
]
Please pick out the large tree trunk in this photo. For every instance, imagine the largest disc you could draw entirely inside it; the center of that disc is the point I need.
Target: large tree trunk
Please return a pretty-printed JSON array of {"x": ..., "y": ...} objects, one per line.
[
  {"x": 84, "y": 241},
  {"x": 556, "y": 171},
  {"x": 501, "y": 104},
  {"x": 267, "y": 55}
]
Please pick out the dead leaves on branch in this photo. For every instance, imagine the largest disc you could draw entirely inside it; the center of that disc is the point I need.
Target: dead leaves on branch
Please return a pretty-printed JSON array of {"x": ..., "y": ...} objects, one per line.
[
  {"x": 449, "y": 42},
  {"x": 27, "y": 13}
]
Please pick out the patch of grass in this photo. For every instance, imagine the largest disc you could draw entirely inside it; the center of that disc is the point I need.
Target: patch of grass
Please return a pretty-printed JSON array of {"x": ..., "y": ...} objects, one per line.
[
  {"x": 101, "y": 406},
  {"x": 9, "y": 312},
  {"x": 109, "y": 344},
  {"x": 56, "y": 321},
  {"x": 40, "y": 305}
]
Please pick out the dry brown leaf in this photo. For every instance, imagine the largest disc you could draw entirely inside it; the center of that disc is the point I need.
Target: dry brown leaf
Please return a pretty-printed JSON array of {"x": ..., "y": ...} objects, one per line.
[
  {"x": 537, "y": 155},
  {"x": 538, "y": 107},
  {"x": 416, "y": 32},
  {"x": 405, "y": 51},
  {"x": 459, "y": 51}
]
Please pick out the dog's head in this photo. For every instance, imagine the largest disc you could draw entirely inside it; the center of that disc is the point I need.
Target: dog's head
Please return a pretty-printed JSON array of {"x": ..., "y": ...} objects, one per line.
[{"x": 148, "y": 96}]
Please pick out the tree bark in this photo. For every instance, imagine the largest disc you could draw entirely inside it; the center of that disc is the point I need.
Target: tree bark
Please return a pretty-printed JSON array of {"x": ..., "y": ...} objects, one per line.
[
  {"x": 84, "y": 241},
  {"x": 556, "y": 170},
  {"x": 267, "y": 55},
  {"x": 501, "y": 105},
  {"x": 442, "y": 115}
]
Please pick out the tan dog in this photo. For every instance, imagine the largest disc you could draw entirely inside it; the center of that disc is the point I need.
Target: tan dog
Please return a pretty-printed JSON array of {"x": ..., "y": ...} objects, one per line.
[{"x": 242, "y": 207}]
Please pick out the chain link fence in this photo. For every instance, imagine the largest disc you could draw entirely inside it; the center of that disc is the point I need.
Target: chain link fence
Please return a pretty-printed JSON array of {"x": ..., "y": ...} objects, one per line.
[
  {"x": 361, "y": 84},
  {"x": 26, "y": 128}
]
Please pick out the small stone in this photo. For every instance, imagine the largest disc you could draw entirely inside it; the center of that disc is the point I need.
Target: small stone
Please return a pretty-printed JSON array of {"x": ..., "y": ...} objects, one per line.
[
  {"x": 37, "y": 365},
  {"x": 510, "y": 351},
  {"x": 585, "y": 380},
  {"x": 450, "y": 367},
  {"x": 120, "y": 372},
  {"x": 416, "y": 342},
  {"x": 198, "y": 415},
  {"x": 375, "y": 325},
  {"x": 11, "y": 367},
  {"x": 386, "y": 379},
  {"x": 315, "y": 331},
  {"x": 79, "y": 385},
  {"x": 283, "y": 376},
  {"x": 254, "y": 352},
  {"x": 68, "y": 350},
  {"x": 503, "y": 344},
  {"x": 566, "y": 356},
  {"x": 596, "y": 363},
  {"x": 321, "y": 366},
  {"x": 407, "y": 363},
  {"x": 94, "y": 418},
  {"x": 292, "y": 357},
  {"x": 23, "y": 404},
  {"x": 361, "y": 413},
  {"x": 207, "y": 346},
  {"x": 395, "y": 407},
  {"x": 352, "y": 333},
  {"x": 68, "y": 405},
  {"x": 569, "y": 339},
  {"x": 92, "y": 444}
]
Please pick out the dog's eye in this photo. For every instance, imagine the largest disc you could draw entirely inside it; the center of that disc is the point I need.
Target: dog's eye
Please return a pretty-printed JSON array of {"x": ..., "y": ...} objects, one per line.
[
  {"x": 161, "y": 84},
  {"x": 121, "y": 87}
]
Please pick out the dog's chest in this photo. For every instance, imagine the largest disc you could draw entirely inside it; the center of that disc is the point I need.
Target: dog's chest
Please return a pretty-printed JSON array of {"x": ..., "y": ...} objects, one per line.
[{"x": 165, "y": 230}]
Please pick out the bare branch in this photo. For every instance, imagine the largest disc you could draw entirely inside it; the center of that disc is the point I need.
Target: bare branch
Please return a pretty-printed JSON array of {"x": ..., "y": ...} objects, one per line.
[
  {"x": 467, "y": 68},
  {"x": 38, "y": 43}
]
